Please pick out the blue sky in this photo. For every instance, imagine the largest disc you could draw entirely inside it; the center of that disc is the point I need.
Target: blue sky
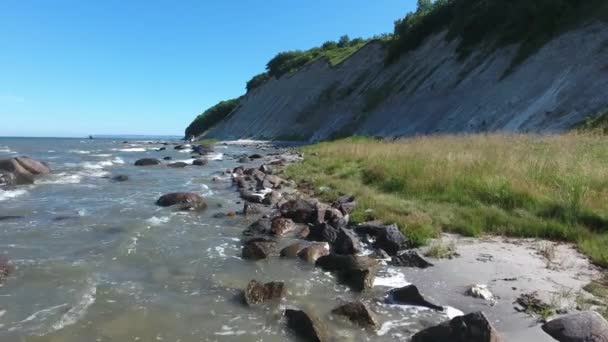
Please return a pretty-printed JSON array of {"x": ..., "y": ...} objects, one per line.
[{"x": 77, "y": 67}]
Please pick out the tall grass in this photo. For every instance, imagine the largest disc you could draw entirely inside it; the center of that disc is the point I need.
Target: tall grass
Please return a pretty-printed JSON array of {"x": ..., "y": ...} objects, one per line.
[{"x": 552, "y": 187}]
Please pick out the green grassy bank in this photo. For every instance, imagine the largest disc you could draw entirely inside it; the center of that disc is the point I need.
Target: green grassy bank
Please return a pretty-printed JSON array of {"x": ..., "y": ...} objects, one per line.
[{"x": 553, "y": 187}]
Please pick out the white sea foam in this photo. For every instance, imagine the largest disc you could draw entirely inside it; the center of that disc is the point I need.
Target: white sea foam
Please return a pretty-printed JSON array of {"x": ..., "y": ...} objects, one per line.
[
  {"x": 102, "y": 155},
  {"x": 8, "y": 194},
  {"x": 60, "y": 178},
  {"x": 157, "y": 221},
  {"x": 78, "y": 311},
  {"x": 5, "y": 149},
  {"x": 243, "y": 142},
  {"x": 229, "y": 331},
  {"x": 215, "y": 156},
  {"x": 80, "y": 151},
  {"x": 392, "y": 278},
  {"x": 43, "y": 314},
  {"x": 130, "y": 149}
]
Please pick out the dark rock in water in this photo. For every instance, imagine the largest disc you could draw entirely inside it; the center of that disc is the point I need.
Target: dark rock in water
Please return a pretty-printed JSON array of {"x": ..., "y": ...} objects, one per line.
[
  {"x": 583, "y": 326},
  {"x": 473, "y": 327},
  {"x": 335, "y": 218},
  {"x": 266, "y": 169},
  {"x": 181, "y": 147},
  {"x": 64, "y": 218},
  {"x": 252, "y": 209},
  {"x": 410, "y": 295},
  {"x": 258, "y": 293},
  {"x": 357, "y": 313},
  {"x": 281, "y": 226},
  {"x": 21, "y": 170},
  {"x": 202, "y": 149},
  {"x": 167, "y": 158},
  {"x": 250, "y": 196},
  {"x": 5, "y": 269},
  {"x": 306, "y": 327},
  {"x": 186, "y": 200},
  {"x": 391, "y": 240},
  {"x": 263, "y": 184},
  {"x": 371, "y": 228},
  {"x": 299, "y": 210},
  {"x": 272, "y": 198},
  {"x": 410, "y": 259},
  {"x": 292, "y": 250},
  {"x": 324, "y": 232},
  {"x": 147, "y": 162},
  {"x": 200, "y": 162},
  {"x": 313, "y": 252},
  {"x": 262, "y": 226},
  {"x": 273, "y": 181},
  {"x": 162, "y": 149},
  {"x": 346, "y": 242},
  {"x": 255, "y": 156},
  {"x": 177, "y": 165},
  {"x": 357, "y": 272},
  {"x": 120, "y": 178},
  {"x": 380, "y": 254},
  {"x": 243, "y": 160},
  {"x": 10, "y": 217},
  {"x": 241, "y": 183},
  {"x": 258, "y": 248},
  {"x": 346, "y": 204}
]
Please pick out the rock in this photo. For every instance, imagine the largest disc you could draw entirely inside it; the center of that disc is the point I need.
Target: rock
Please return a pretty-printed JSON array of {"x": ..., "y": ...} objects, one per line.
[
  {"x": 21, "y": 170},
  {"x": 579, "y": 327},
  {"x": 346, "y": 242},
  {"x": 357, "y": 272},
  {"x": 243, "y": 160},
  {"x": 167, "y": 158},
  {"x": 323, "y": 232},
  {"x": 263, "y": 184},
  {"x": 390, "y": 239},
  {"x": 258, "y": 248},
  {"x": 299, "y": 210},
  {"x": 335, "y": 218},
  {"x": 272, "y": 198},
  {"x": 10, "y": 217},
  {"x": 200, "y": 162},
  {"x": 346, "y": 204},
  {"x": 306, "y": 327},
  {"x": 410, "y": 259},
  {"x": 120, "y": 178},
  {"x": 241, "y": 183},
  {"x": 273, "y": 180},
  {"x": 258, "y": 293},
  {"x": 5, "y": 269},
  {"x": 480, "y": 291},
  {"x": 473, "y": 327},
  {"x": 380, "y": 254},
  {"x": 202, "y": 149},
  {"x": 357, "y": 313},
  {"x": 147, "y": 162},
  {"x": 410, "y": 295},
  {"x": 372, "y": 228},
  {"x": 292, "y": 250},
  {"x": 181, "y": 147},
  {"x": 266, "y": 169},
  {"x": 187, "y": 201},
  {"x": 177, "y": 165},
  {"x": 252, "y": 209},
  {"x": 250, "y": 196},
  {"x": 255, "y": 156},
  {"x": 161, "y": 149},
  {"x": 313, "y": 252},
  {"x": 281, "y": 226},
  {"x": 262, "y": 226}
]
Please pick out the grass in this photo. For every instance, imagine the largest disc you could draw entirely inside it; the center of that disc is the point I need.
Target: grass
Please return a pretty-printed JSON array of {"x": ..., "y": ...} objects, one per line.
[
  {"x": 206, "y": 142},
  {"x": 553, "y": 187},
  {"x": 441, "y": 250}
]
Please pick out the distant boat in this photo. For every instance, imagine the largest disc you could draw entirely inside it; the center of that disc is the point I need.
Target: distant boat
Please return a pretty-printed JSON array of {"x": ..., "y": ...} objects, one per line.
[{"x": 90, "y": 137}]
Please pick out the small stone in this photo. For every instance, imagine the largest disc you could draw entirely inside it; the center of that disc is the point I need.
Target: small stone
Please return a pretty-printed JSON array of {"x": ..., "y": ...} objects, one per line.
[{"x": 258, "y": 293}]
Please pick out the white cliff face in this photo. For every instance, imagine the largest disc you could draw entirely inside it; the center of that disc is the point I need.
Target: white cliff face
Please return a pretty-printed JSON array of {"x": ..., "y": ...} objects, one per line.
[{"x": 430, "y": 91}]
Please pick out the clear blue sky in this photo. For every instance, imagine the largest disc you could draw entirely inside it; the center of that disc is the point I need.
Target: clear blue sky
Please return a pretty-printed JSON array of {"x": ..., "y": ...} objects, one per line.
[{"x": 78, "y": 67}]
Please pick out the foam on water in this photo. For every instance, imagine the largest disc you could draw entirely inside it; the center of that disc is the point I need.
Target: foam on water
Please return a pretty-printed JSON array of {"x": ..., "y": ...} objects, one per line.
[
  {"x": 102, "y": 155},
  {"x": 130, "y": 149},
  {"x": 80, "y": 151},
  {"x": 8, "y": 194},
  {"x": 157, "y": 221},
  {"x": 79, "y": 309},
  {"x": 392, "y": 278},
  {"x": 215, "y": 156}
]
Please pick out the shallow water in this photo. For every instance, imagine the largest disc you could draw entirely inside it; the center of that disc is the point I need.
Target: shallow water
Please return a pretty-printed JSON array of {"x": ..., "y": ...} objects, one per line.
[{"x": 98, "y": 261}]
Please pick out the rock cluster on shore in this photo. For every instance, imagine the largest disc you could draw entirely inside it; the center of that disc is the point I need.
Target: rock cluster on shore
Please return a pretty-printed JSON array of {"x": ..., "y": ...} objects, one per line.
[{"x": 21, "y": 170}]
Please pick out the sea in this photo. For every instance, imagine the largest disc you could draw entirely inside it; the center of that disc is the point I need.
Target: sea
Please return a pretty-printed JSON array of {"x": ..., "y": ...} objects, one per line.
[{"x": 97, "y": 260}]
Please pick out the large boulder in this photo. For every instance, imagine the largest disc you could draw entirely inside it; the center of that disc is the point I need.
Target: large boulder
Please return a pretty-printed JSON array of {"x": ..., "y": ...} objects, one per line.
[
  {"x": 357, "y": 272},
  {"x": 587, "y": 326},
  {"x": 346, "y": 242},
  {"x": 258, "y": 248},
  {"x": 272, "y": 198},
  {"x": 147, "y": 162},
  {"x": 178, "y": 165},
  {"x": 409, "y": 295},
  {"x": 299, "y": 210},
  {"x": 200, "y": 162},
  {"x": 21, "y": 170},
  {"x": 292, "y": 250},
  {"x": 262, "y": 226},
  {"x": 410, "y": 259},
  {"x": 258, "y": 293},
  {"x": 281, "y": 226},
  {"x": 306, "y": 327},
  {"x": 323, "y": 232},
  {"x": 186, "y": 201},
  {"x": 313, "y": 252},
  {"x": 346, "y": 204},
  {"x": 390, "y": 239},
  {"x": 473, "y": 327},
  {"x": 357, "y": 313}
]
